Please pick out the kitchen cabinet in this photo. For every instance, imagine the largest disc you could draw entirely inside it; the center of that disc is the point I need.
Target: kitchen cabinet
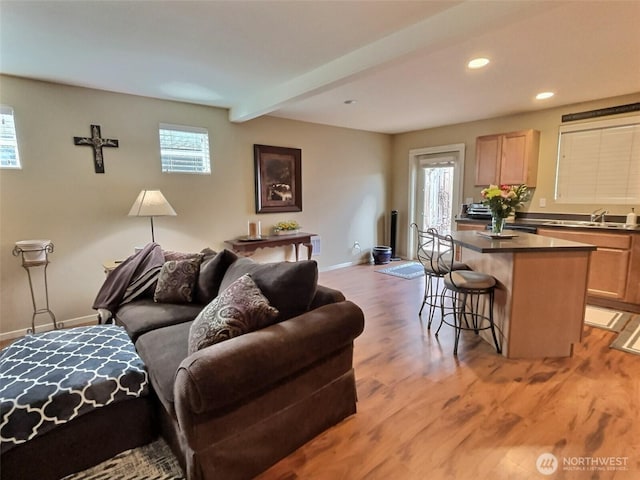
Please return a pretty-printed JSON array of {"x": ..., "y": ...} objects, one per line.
[
  {"x": 614, "y": 272},
  {"x": 472, "y": 226},
  {"x": 508, "y": 158}
]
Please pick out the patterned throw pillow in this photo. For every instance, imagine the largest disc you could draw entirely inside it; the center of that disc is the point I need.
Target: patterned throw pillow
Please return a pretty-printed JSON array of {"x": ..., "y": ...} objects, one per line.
[
  {"x": 170, "y": 255},
  {"x": 240, "y": 309},
  {"x": 289, "y": 286},
  {"x": 177, "y": 280}
]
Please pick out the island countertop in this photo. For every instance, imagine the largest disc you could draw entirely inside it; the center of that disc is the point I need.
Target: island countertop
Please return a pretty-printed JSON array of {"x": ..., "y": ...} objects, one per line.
[
  {"x": 521, "y": 242},
  {"x": 541, "y": 290}
]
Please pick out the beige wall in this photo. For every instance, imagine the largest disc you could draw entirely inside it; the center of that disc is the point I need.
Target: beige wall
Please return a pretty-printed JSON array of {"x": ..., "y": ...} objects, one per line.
[
  {"x": 351, "y": 179},
  {"x": 58, "y": 196},
  {"x": 546, "y": 121}
]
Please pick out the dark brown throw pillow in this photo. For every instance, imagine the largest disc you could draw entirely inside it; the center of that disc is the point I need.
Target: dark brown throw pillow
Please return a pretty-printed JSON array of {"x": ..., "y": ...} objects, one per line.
[
  {"x": 289, "y": 286},
  {"x": 212, "y": 270},
  {"x": 177, "y": 280},
  {"x": 240, "y": 309}
]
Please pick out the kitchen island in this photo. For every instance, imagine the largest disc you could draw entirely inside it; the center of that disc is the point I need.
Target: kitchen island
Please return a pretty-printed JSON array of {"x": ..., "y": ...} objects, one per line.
[{"x": 542, "y": 289}]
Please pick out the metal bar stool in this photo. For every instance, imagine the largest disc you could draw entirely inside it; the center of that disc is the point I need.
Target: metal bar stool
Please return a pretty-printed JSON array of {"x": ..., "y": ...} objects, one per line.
[
  {"x": 467, "y": 287},
  {"x": 436, "y": 265}
]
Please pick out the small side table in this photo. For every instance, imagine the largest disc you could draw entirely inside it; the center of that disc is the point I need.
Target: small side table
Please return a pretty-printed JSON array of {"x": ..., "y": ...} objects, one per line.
[
  {"x": 110, "y": 265},
  {"x": 32, "y": 257}
]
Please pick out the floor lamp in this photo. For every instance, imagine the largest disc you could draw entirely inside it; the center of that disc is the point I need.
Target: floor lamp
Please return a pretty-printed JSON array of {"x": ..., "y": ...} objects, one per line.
[{"x": 151, "y": 203}]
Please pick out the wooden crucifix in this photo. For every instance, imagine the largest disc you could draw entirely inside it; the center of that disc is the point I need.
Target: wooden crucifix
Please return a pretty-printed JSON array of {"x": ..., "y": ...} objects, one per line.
[{"x": 97, "y": 143}]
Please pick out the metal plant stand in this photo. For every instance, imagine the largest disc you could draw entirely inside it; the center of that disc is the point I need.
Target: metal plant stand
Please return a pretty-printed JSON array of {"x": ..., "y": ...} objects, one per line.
[{"x": 27, "y": 264}]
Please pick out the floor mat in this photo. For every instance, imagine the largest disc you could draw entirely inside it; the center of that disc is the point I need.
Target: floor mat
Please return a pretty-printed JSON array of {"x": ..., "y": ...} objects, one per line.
[
  {"x": 605, "y": 318},
  {"x": 407, "y": 271},
  {"x": 154, "y": 461},
  {"x": 629, "y": 338}
]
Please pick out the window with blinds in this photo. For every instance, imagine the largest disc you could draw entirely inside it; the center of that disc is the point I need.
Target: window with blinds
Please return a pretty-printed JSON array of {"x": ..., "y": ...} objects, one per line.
[
  {"x": 599, "y": 162},
  {"x": 9, "y": 157},
  {"x": 184, "y": 149}
]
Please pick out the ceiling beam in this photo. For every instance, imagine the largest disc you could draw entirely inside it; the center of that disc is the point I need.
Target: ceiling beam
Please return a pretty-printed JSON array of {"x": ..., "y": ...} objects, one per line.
[{"x": 458, "y": 23}]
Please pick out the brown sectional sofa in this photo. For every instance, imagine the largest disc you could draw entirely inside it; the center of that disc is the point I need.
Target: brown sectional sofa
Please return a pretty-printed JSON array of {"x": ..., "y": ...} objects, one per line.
[{"x": 231, "y": 410}]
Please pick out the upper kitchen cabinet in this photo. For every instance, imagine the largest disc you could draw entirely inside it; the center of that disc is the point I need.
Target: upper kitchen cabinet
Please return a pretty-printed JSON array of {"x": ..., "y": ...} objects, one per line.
[{"x": 508, "y": 158}]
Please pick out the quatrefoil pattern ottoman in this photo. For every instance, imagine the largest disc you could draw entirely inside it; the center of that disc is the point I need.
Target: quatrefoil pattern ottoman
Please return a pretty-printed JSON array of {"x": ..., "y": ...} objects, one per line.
[{"x": 50, "y": 378}]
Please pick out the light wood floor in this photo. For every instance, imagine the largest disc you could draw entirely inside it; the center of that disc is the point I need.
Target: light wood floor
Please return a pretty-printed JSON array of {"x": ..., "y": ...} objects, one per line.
[{"x": 424, "y": 414}]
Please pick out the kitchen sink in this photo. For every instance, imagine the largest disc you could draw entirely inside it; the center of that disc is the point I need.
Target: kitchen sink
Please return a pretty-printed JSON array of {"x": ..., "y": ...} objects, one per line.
[
  {"x": 572, "y": 223},
  {"x": 587, "y": 224}
]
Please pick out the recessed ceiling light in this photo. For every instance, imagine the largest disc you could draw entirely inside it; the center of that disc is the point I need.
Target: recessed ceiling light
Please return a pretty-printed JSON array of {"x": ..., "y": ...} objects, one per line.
[
  {"x": 544, "y": 95},
  {"x": 350, "y": 102},
  {"x": 478, "y": 62}
]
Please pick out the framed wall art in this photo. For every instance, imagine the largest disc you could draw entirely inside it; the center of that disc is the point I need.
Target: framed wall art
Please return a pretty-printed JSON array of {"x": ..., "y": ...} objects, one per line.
[{"x": 278, "y": 179}]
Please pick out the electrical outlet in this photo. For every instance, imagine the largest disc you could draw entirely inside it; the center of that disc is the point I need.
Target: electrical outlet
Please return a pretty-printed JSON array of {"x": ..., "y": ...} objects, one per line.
[
  {"x": 316, "y": 245},
  {"x": 356, "y": 249},
  {"x": 543, "y": 202}
]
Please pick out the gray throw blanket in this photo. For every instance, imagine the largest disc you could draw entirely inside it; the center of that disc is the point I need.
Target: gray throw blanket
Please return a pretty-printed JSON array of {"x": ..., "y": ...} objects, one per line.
[{"x": 130, "y": 279}]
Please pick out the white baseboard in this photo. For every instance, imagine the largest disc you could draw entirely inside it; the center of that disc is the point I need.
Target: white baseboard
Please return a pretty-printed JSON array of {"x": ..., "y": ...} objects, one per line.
[
  {"x": 72, "y": 322},
  {"x": 336, "y": 267},
  {"x": 343, "y": 265}
]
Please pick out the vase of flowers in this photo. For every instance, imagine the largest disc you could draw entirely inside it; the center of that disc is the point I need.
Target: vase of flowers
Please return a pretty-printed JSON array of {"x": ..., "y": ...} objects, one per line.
[
  {"x": 289, "y": 227},
  {"x": 497, "y": 224},
  {"x": 502, "y": 201}
]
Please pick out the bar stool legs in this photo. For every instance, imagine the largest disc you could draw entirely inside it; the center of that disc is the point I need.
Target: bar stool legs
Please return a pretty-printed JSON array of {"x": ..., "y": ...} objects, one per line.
[
  {"x": 466, "y": 287},
  {"x": 431, "y": 296},
  {"x": 466, "y": 307}
]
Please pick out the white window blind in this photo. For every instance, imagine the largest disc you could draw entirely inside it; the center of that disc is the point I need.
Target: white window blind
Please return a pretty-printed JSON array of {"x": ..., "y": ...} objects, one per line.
[
  {"x": 9, "y": 157},
  {"x": 184, "y": 149},
  {"x": 599, "y": 162}
]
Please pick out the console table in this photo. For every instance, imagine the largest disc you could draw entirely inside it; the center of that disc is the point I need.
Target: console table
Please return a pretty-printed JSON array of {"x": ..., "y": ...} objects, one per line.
[{"x": 247, "y": 247}]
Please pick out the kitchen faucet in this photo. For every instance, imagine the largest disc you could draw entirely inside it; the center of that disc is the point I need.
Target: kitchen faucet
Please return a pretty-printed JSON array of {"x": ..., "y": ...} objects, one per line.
[{"x": 599, "y": 213}]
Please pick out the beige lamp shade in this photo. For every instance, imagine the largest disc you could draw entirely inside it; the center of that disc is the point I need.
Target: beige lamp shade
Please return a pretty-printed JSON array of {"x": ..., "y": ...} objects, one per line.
[{"x": 151, "y": 203}]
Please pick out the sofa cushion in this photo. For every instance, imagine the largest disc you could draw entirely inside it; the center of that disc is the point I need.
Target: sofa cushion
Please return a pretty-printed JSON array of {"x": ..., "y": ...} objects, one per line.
[
  {"x": 145, "y": 315},
  {"x": 212, "y": 269},
  {"x": 239, "y": 309},
  {"x": 325, "y": 296},
  {"x": 162, "y": 350},
  {"x": 289, "y": 286},
  {"x": 177, "y": 280}
]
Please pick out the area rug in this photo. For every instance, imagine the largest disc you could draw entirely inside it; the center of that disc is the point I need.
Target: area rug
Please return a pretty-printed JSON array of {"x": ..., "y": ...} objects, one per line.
[
  {"x": 154, "y": 461},
  {"x": 406, "y": 270},
  {"x": 629, "y": 338},
  {"x": 606, "y": 319}
]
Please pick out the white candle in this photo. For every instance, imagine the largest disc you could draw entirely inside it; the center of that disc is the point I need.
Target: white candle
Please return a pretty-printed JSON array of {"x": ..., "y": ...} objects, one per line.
[{"x": 254, "y": 229}]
